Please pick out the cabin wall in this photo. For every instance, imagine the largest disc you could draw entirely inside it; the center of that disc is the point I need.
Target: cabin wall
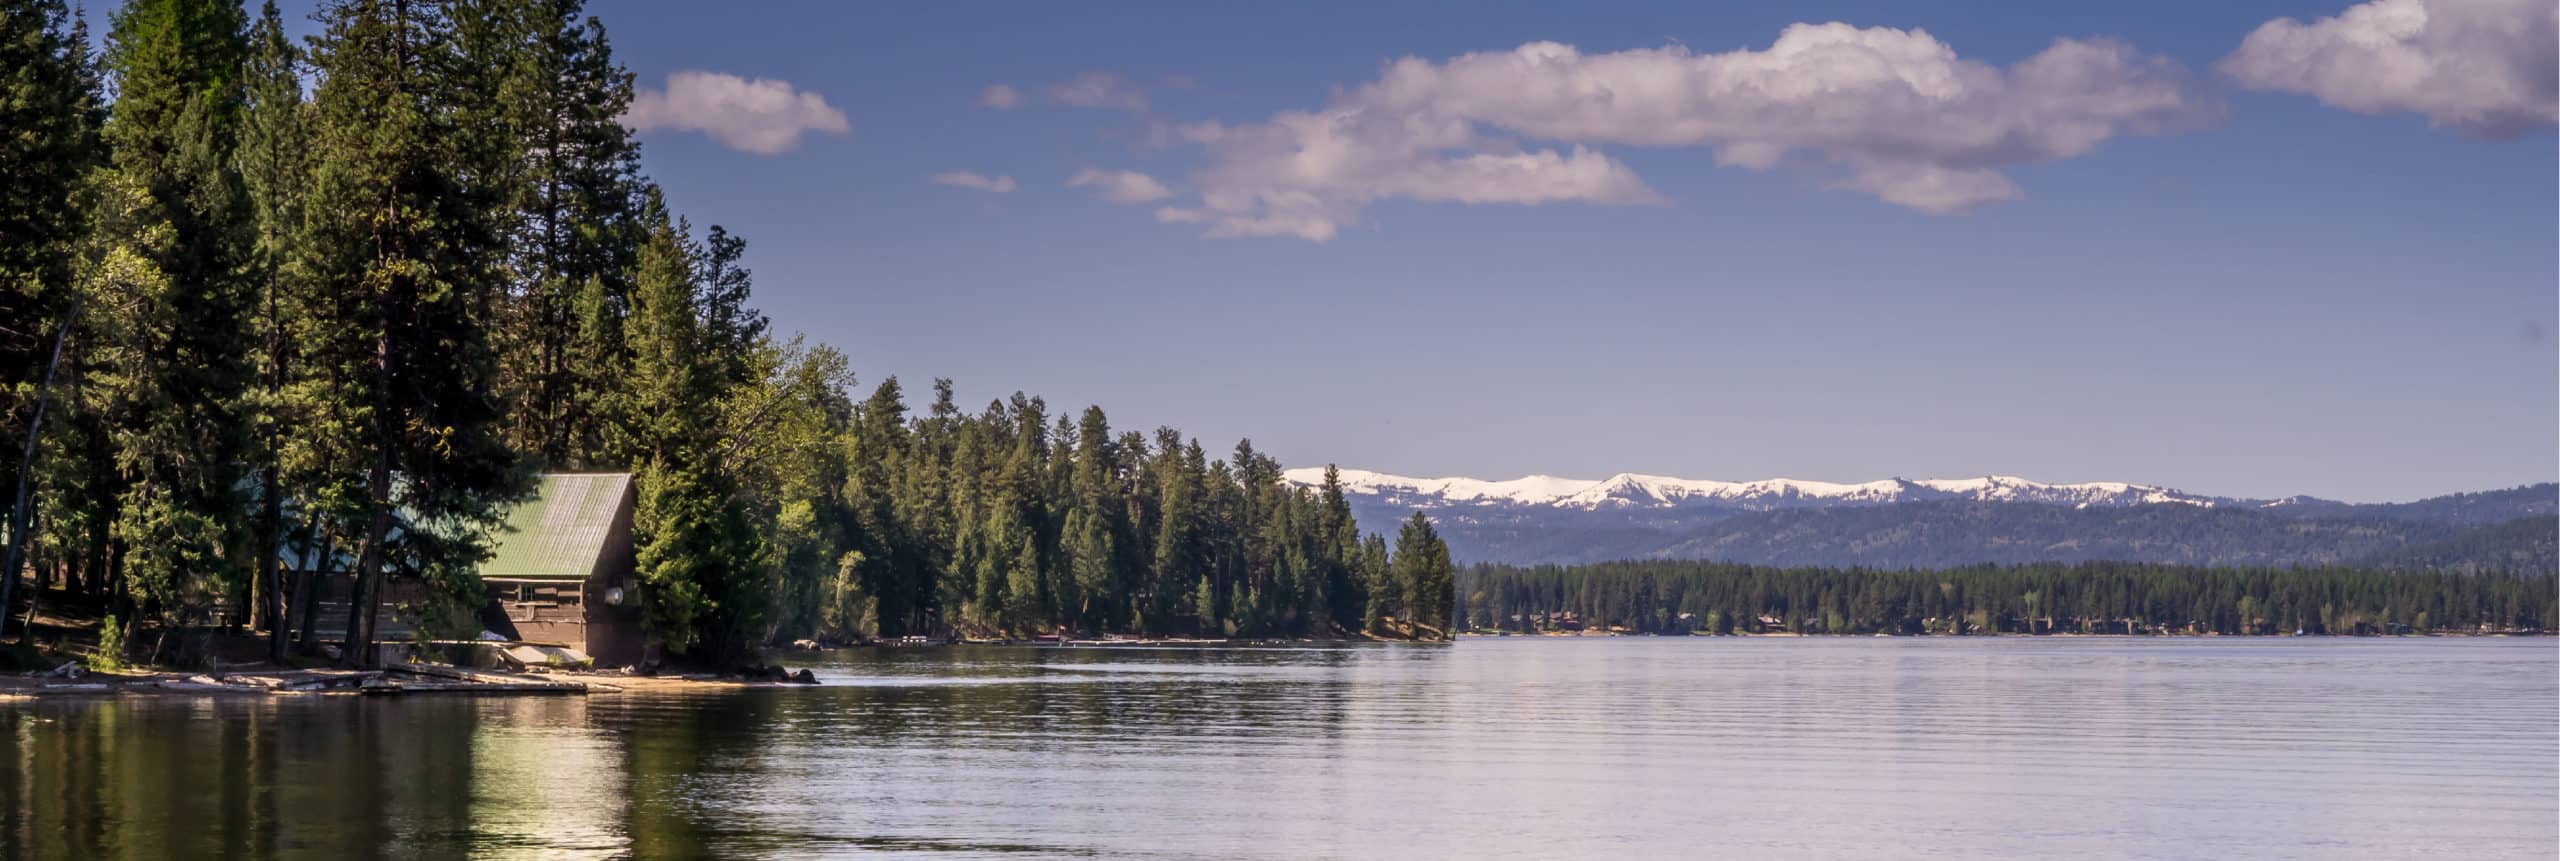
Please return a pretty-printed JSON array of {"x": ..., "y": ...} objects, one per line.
[
  {"x": 542, "y": 612},
  {"x": 613, "y": 635}
]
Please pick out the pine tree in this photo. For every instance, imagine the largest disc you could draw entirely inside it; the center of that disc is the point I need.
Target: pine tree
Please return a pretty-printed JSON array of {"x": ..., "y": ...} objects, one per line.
[
  {"x": 49, "y": 109},
  {"x": 1376, "y": 571},
  {"x": 1093, "y": 525},
  {"x": 924, "y": 504},
  {"x": 1339, "y": 537},
  {"x": 729, "y": 324},
  {"x": 1032, "y": 599},
  {"x": 1423, "y": 574},
  {"x": 400, "y": 352},
  {"x": 876, "y": 452},
  {"x": 568, "y": 174},
  {"x": 174, "y": 235},
  {"x": 700, "y": 583},
  {"x": 273, "y": 168},
  {"x": 784, "y": 443}
]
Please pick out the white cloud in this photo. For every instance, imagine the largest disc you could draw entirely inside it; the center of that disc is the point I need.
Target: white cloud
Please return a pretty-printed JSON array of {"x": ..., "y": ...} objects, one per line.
[
  {"x": 1000, "y": 97},
  {"x": 2481, "y": 67},
  {"x": 972, "y": 179},
  {"x": 1120, "y": 186},
  {"x": 1893, "y": 113},
  {"x": 759, "y": 116},
  {"x": 1101, "y": 90}
]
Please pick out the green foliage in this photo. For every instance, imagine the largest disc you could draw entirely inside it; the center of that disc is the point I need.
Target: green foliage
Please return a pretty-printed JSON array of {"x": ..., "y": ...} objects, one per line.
[
  {"x": 2523, "y": 544},
  {"x": 109, "y": 656},
  {"x": 563, "y": 181},
  {"x": 173, "y": 236},
  {"x": 1421, "y": 575},
  {"x": 48, "y": 105},
  {"x": 2094, "y": 597},
  {"x": 702, "y": 571},
  {"x": 399, "y": 238},
  {"x": 1006, "y": 523}
]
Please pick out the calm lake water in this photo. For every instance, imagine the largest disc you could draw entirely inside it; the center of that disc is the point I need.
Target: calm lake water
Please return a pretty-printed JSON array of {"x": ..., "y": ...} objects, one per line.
[{"x": 1635, "y": 748}]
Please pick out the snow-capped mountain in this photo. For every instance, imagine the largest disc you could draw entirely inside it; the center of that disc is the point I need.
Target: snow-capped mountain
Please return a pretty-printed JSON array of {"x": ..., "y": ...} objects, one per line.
[
  {"x": 1633, "y": 491},
  {"x": 1900, "y": 523}
]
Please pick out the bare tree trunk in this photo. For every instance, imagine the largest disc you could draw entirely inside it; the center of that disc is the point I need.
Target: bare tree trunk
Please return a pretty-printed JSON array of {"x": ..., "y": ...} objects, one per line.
[
  {"x": 271, "y": 563},
  {"x": 365, "y": 603},
  {"x": 306, "y": 591},
  {"x": 22, "y": 504}
]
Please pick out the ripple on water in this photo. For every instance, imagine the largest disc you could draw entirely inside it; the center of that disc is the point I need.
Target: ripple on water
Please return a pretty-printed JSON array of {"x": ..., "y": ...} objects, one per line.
[{"x": 1492, "y": 748}]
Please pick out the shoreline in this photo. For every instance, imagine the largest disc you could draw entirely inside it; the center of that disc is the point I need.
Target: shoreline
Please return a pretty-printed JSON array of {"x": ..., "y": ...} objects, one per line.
[
  {"x": 408, "y": 679},
  {"x": 2007, "y": 635},
  {"x": 397, "y": 681}
]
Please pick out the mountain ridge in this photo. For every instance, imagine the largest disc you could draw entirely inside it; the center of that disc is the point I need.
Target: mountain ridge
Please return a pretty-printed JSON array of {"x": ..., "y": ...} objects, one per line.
[
  {"x": 1637, "y": 489},
  {"x": 1541, "y": 519}
]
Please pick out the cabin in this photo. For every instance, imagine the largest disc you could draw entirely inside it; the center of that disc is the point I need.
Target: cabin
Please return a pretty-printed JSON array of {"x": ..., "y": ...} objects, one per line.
[{"x": 562, "y": 571}]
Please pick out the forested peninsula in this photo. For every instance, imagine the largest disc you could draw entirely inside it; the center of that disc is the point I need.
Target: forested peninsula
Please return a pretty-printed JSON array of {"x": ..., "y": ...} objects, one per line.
[
  {"x": 259, "y": 297},
  {"x": 1684, "y": 597}
]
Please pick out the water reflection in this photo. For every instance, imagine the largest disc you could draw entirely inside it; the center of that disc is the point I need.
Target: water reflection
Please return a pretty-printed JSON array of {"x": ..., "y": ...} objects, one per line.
[
  {"x": 1490, "y": 749},
  {"x": 763, "y": 772}
]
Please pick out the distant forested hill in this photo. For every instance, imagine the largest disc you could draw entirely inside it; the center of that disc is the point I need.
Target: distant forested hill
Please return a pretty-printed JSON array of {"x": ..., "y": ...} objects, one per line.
[
  {"x": 2523, "y": 545},
  {"x": 1693, "y": 597},
  {"x": 2486, "y": 508},
  {"x": 1942, "y": 534},
  {"x": 2492, "y": 530}
]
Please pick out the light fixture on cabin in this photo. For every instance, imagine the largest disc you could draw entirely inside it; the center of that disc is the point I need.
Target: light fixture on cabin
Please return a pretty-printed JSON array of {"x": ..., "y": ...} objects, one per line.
[{"x": 613, "y": 595}]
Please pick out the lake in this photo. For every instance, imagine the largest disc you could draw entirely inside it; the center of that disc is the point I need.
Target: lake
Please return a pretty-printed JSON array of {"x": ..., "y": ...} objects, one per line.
[{"x": 1492, "y": 748}]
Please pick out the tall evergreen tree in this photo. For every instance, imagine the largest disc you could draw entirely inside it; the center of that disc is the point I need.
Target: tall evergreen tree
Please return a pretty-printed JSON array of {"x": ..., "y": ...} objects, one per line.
[
  {"x": 1339, "y": 537},
  {"x": 49, "y": 109},
  {"x": 1093, "y": 525},
  {"x": 401, "y": 351},
  {"x": 699, "y": 575},
  {"x": 174, "y": 233},
  {"x": 568, "y": 174},
  {"x": 274, "y": 170},
  {"x": 729, "y": 324},
  {"x": 876, "y": 453},
  {"x": 1423, "y": 574},
  {"x": 784, "y": 436}
]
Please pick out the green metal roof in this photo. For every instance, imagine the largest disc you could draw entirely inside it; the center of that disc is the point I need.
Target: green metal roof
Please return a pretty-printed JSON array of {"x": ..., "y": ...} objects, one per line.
[{"x": 561, "y": 532}]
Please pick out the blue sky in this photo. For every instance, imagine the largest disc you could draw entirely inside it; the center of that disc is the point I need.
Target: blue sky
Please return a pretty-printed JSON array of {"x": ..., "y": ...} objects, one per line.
[{"x": 2331, "y": 283}]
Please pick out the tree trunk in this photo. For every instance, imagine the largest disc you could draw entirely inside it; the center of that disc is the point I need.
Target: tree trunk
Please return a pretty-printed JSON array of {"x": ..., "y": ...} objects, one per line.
[
  {"x": 118, "y": 600},
  {"x": 363, "y": 605},
  {"x": 22, "y": 503},
  {"x": 271, "y": 564},
  {"x": 100, "y": 556},
  {"x": 306, "y": 592}
]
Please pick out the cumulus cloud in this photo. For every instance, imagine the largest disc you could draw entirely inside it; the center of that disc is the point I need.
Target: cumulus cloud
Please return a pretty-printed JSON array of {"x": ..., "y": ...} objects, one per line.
[
  {"x": 1120, "y": 186},
  {"x": 1891, "y": 113},
  {"x": 1000, "y": 97},
  {"x": 758, "y": 115},
  {"x": 2481, "y": 67},
  {"x": 973, "y": 179},
  {"x": 1101, "y": 90}
]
